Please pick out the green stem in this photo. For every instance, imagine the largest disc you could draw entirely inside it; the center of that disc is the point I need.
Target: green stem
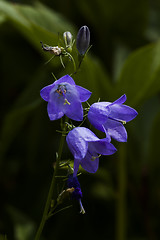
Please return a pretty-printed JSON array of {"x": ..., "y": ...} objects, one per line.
[
  {"x": 74, "y": 64},
  {"x": 121, "y": 200},
  {"x": 52, "y": 186}
]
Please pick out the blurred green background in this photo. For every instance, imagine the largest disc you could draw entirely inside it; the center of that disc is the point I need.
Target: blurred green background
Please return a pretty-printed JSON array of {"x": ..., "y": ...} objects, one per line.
[{"x": 122, "y": 200}]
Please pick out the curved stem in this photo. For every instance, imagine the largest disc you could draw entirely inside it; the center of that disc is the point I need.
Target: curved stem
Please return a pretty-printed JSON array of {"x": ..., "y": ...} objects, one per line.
[
  {"x": 74, "y": 64},
  {"x": 52, "y": 186}
]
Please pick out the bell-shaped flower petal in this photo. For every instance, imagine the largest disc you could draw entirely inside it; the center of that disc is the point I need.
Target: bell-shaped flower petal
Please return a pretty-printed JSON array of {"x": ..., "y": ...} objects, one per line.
[
  {"x": 90, "y": 165},
  {"x": 65, "y": 97},
  {"x": 116, "y": 130},
  {"x": 86, "y": 148},
  {"x": 110, "y": 117}
]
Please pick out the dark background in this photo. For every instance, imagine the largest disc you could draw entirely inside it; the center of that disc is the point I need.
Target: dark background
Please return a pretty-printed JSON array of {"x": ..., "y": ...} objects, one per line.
[{"x": 122, "y": 200}]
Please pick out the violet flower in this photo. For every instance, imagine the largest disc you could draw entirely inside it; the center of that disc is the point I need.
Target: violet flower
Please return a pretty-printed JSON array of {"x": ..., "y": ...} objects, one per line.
[
  {"x": 77, "y": 193},
  {"x": 86, "y": 148},
  {"x": 65, "y": 97},
  {"x": 110, "y": 118}
]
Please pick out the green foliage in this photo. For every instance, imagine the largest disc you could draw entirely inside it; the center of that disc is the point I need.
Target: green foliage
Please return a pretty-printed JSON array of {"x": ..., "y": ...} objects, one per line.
[
  {"x": 28, "y": 140},
  {"x": 139, "y": 77}
]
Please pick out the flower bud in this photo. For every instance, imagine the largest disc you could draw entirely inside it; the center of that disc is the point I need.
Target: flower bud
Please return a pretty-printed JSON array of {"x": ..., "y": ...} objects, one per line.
[
  {"x": 68, "y": 39},
  {"x": 83, "y": 40}
]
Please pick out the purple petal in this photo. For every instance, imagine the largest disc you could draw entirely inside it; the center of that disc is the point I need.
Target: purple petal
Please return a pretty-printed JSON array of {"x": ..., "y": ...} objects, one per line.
[
  {"x": 77, "y": 145},
  {"x": 85, "y": 147},
  {"x": 120, "y": 100},
  {"x": 108, "y": 137},
  {"x": 74, "y": 111},
  {"x": 58, "y": 101},
  {"x": 116, "y": 130},
  {"x": 87, "y": 134},
  {"x": 45, "y": 92},
  {"x": 98, "y": 114},
  {"x": 103, "y": 147},
  {"x": 53, "y": 113},
  {"x": 122, "y": 112},
  {"x": 65, "y": 79},
  {"x": 84, "y": 94},
  {"x": 89, "y": 165},
  {"x": 76, "y": 167}
]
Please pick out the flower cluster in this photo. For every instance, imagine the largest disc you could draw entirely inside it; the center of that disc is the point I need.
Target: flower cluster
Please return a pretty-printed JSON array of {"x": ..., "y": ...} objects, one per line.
[{"x": 64, "y": 97}]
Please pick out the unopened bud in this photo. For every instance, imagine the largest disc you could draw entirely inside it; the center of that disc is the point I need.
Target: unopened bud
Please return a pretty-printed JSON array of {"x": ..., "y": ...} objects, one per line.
[
  {"x": 68, "y": 39},
  {"x": 83, "y": 40}
]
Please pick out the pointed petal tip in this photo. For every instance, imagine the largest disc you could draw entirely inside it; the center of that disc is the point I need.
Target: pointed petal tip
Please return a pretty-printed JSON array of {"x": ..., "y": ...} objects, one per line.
[
  {"x": 44, "y": 94},
  {"x": 78, "y": 117},
  {"x": 136, "y": 113},
  {"x": 111, "y": 149},
  {"x": 124, "y": 95},
  {"x": 57, "y": 116},
  {"x": 132, "y": 115},
  {"x": 120, "y": 100},
  {"x": 84, "y": 93}
]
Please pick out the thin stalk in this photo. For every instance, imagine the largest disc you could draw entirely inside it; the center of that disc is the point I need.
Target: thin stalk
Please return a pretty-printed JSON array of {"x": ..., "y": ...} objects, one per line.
[
  {"x": 74, "y": 64},
  {"x": 60, "y": 210},
  {"x": 52, "y": 186},
  {"x": 121, "y": 200}
]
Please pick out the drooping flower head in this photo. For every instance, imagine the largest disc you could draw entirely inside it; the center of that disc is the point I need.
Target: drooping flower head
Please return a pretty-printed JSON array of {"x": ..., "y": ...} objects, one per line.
[
  {"x": 86, "y": 148},
  {"x": 111, "y": 117},
  {"x": 65, "y": 97},
  {"x": 74, "y": 184}
]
